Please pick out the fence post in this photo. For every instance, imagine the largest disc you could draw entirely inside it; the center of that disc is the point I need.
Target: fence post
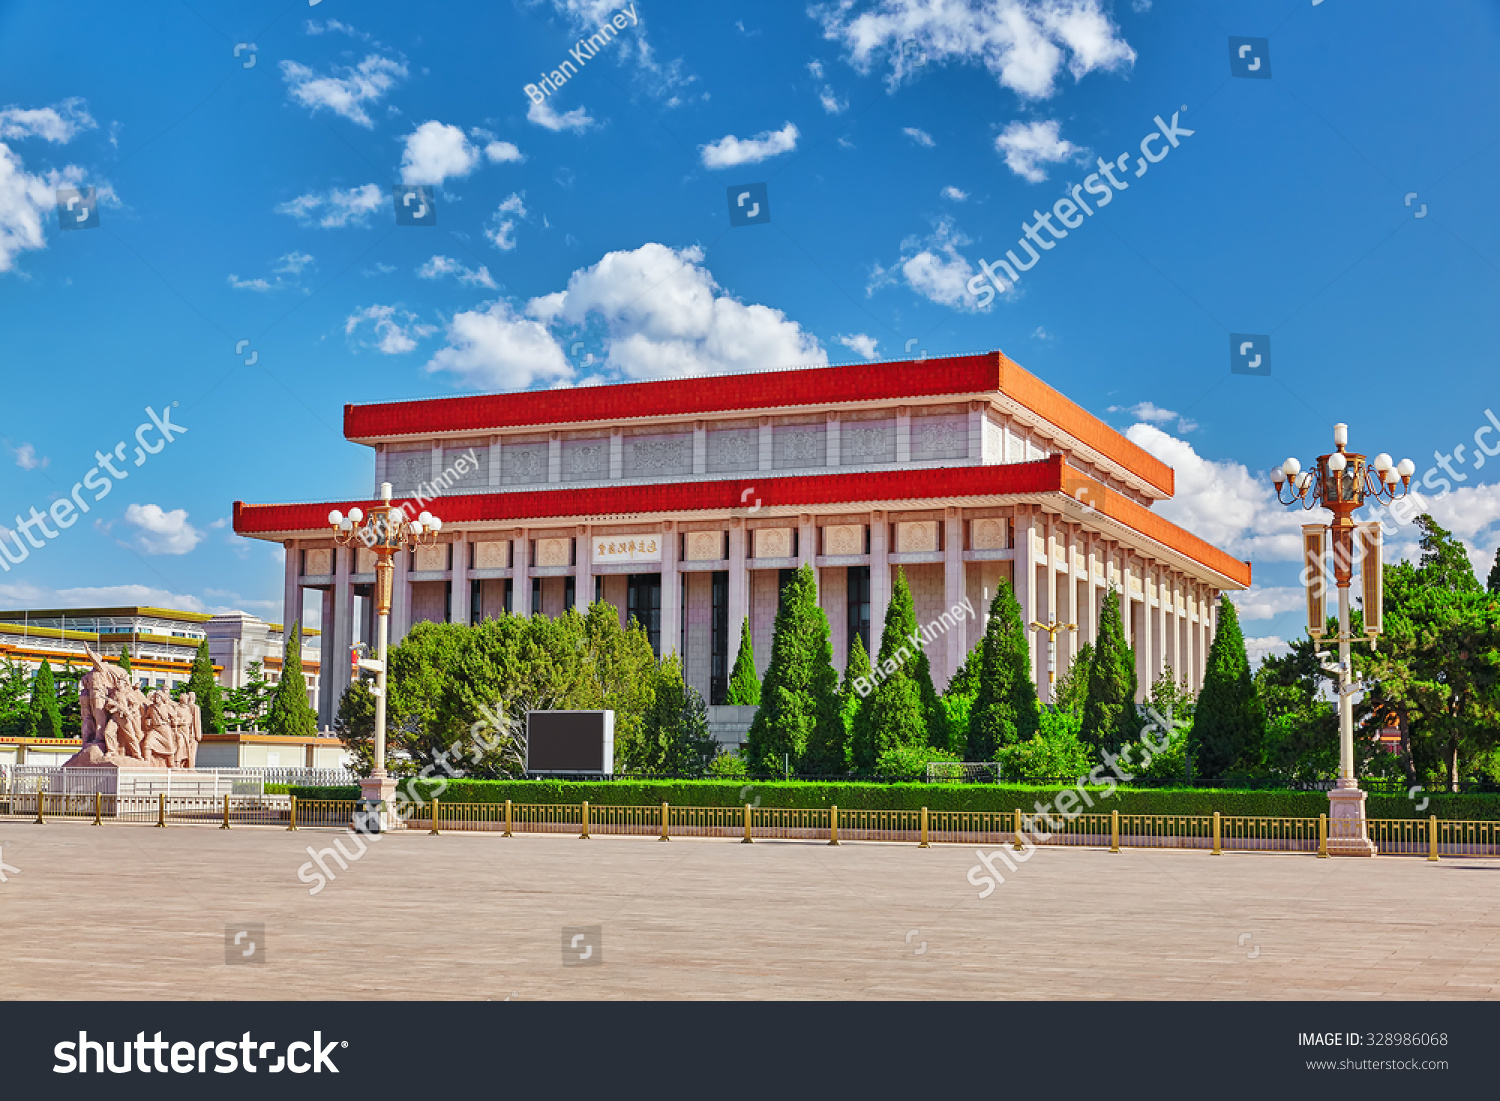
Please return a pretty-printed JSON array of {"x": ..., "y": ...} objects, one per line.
[
  {"x": 225, "y": 826},
  {"x": 664, "y": 836},
  {"x": 833, "y": 824},
  {"x": 434, "y": 830},
  {"x": 748, "y": 839},
  {"x": 1218, "y": 848},
  {"x": 584, "y": 836},
  {"x": 1432, "y": 838},
  {"x": 40, "y": 821},
  {"x": 507, "y": 818},
  {"x": 1016, "y": 829},
  {"x": 293, "y": 824},
  {"x": 161, "y": 809},
  {"x": 924, "y": 844},
  {"x": 1322, "y": 836},
  {"x": 1114, "y": 831},
  {"x": 98, "y": 809}
]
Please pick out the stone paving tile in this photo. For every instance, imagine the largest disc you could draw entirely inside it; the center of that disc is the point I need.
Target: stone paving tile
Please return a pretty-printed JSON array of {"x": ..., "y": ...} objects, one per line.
[{"x": 135, "y": 912}]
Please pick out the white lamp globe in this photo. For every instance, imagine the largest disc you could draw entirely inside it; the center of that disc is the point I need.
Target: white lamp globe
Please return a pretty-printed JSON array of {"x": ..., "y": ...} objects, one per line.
[
  {"x": 425, "y": 517},
  {"x": 335, "y": 518},
  {"x": 1278, "y": 477},
  {"x": 1337, "y": 462},
  {"x": 436, "y": 524},
  {"x": 356, "y": 515},
  {"x": 1406, "y": 468},
  {"x": 1340, "y": 435},
  {"x": 416, "y": 527},
  {"x": 1291, "y": 468},
  {"x": 1383, "y": 462}
]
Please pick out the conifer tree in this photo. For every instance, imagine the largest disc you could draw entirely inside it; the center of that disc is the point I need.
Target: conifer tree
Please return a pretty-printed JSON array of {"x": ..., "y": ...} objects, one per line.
[
  {"x": 744, "y": 685},
  {"x": 965, "y": 682},
  {"x": 675, "y": 738},
  {"x": 799, "y": 698},
  {"x": 1493, "y": 584},
  {"x": 896, "y": 712},
  {"x": 124, "y": 661},
  {"x": 206, "y": 691},
  {"x": 1072, "y": 688},
  {"x": 1109, "y": 719},
  {"x": 46, "y": 718},
  {"x": 1005, "y": 707},
  {"x": 1229, "y": 719},
  {"x": 291, "y": 715},
  {"x": 857, "y": 706}
]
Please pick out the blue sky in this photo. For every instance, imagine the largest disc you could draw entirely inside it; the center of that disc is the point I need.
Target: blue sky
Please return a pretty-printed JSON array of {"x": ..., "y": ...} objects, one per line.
[{"x": 248, "y": 198}]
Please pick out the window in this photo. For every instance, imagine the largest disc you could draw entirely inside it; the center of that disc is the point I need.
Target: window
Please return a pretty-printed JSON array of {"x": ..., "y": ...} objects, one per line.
[
  {"x": 570, "y": 592},
  {"x": 718, "y": 681},
  {"x": 476, "y": 600},
  {"x": 536, "y": 595},
  {"x": 859, "y": 606},
  {"x": 643, "y": 601}
]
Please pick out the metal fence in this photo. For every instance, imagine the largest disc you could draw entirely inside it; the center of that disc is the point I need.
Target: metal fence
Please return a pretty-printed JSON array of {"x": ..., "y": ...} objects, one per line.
[
  {"x": 1213, "y": 833},
  {"x": 204, "y": 782}
]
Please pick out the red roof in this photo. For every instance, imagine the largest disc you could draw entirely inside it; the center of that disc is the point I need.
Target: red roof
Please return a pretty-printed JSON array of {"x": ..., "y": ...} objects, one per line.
[
  {"x": 803, "y": 491},
  {"x": 948, "y": 377}
]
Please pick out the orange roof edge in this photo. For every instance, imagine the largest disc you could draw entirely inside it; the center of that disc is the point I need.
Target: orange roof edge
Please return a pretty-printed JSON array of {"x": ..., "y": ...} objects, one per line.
[
  {"x": 1017, "y": 382},
  {"x": 1115, "y": 506}
]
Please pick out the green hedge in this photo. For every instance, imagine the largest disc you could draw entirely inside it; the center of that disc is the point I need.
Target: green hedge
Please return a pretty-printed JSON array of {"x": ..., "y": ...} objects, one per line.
[{"x": 856, "y": 796}]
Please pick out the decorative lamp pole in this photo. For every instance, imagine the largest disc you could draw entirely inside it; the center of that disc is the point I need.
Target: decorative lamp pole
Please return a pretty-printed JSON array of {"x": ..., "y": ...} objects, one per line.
[
  {"x": 1342, "y": 483},
  {"x": 387, "y": 531},
  {"x": 1052, "y": 629}
]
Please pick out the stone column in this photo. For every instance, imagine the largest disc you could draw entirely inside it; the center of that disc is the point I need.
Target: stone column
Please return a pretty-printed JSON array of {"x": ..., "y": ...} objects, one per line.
[
  {"x": 1067, "y": 641},
  {"x": 333, "y": 679},
  {"x": 976, "y": 432},
  {"x": 520, "y": 573},
  {"x": 400, "y": 597},
  {"x": 459, "y": 572},
  {"x": 554, "y": 457},
  {"x": 616, "y": 454},
  {"x": 1088, "y": 626},
  {"x": 700, "y": 448},
  {"x": 766, "y": 454},
  {"x": 583, "y": 572},
  {"x": 494, "y": 471},
  {"x": 903, "y": 434},
  {"x": 880, "y": 580},
  {"x": 672, "y": 610},
  {"x": 325, "y": 703},
  {"x": 956, "y": 640},
  {"x": 291, "y": 598},
  {"x": 833, "y": 439},
  {"x": 739, "y": 584},
  {"x": 1159, "y": 624},
  {"x": 807, "y": 541},
  {"x": 1025, "y": 586}
]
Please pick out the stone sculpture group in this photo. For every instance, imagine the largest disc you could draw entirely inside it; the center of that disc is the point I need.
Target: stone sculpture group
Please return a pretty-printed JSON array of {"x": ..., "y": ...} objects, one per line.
[{"x": 125, "y": 727}]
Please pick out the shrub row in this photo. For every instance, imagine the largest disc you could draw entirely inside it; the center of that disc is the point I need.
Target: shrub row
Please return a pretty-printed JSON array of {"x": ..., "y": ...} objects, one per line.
[{"x": 980, "y": 797}]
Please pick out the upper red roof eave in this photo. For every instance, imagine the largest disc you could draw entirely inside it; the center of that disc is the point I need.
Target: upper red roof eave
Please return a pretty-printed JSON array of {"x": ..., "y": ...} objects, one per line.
[
  {"x": 952, "y": 376},
  {"x": 1051, "y": 475}
]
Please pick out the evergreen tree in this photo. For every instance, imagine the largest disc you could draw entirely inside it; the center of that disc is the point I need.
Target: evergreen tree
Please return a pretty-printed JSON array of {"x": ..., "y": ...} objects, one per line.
[
  {"x": 245, "y": 707},
  {"x": 675, "y": 737},
  {"x": 858, "y": 736},
  {"x": 1072, "y": 688},
  {"x": 1493, "y": 584},
  {"x": 1109, "y": 719},
  {"x": 799, "y": 698},
  {"x": 46, "y": 718},
  {"x": 1229, "y": 721},
  {"x": 206, "y": 691},
  {"x": 15, "y": 699},
  {"x": 965, "y": 682},
  {"x": 124, "y": 659},
  {"x": 291, "y": 715},
  {"x": 897, "y": 714},
  {"x": 1005, "y": 707},
  {"x": 828, "y": 748},
  {"x": 744, "y": 685},
  {"x": 67, "y": 701}
]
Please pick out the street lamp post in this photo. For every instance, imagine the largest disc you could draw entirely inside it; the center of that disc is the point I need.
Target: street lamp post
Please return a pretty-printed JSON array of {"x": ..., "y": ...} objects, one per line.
[
  {"x": 1052, "y": 628},
  {"x": 1344, "y": 480},
  {"x": 387, "y": 531}
]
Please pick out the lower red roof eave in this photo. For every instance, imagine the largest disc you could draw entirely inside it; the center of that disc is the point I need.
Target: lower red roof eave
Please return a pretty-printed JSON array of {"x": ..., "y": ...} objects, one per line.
[{"x": 1050, "y": 475}]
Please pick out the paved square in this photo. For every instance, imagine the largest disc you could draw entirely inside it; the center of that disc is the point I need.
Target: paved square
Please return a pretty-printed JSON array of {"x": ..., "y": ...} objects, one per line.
[{"x": 136, "y": 912}]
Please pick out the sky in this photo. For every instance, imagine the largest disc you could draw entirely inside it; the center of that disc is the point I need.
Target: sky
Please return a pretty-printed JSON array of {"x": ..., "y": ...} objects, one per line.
[{"x": 1324, "y": 189}]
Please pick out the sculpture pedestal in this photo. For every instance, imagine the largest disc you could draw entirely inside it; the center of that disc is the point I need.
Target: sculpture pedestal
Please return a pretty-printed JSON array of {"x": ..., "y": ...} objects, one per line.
[
  {"x": 376, "y": 812},
  {"x": 1347, "y": 833}
]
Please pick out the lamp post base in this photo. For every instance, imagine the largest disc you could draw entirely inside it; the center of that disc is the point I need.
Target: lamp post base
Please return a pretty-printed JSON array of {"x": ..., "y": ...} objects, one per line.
[
  {"x": 1347, "y": 833},
  {"x": 375, "y": 812}
]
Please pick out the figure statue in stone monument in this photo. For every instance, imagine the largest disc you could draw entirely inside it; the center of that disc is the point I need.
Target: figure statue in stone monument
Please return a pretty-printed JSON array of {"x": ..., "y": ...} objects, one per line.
[{"x": 122, "y": 727}]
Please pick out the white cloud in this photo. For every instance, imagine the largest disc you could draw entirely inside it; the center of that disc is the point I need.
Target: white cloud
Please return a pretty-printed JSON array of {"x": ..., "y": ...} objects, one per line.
[
  {"x": 542, "y": 114},
  {"x": 662, "y": 314},
  {"x": 396, "y": 330},
  {"x": 1225, "y": 503},
  {"x": 26, "y": 200},
  {"x": 378, "y": 268},
  {"x": 501, "y": 152},
  {"x": 1154, "y": 414},
  {"x": 434, "y": 151},
  {"x": 292, "y": 263},
  {"x": 28, "y": 459},
  {"x": 504, "y": 221},
  {"x": 347, "y": 89},
  {"x": 1023, "y": 43},
  {"x": 730, "y": 151},
  {"x": 1028, "y": 145},
  {"x": 933, "y": 267},
  {"x": 953, "y": 194},
  {"x": 1261, "y": 602},
  {"x": 1040, "y": 333},
  {"x": 440, "y": 266},
  {"x": 162, "y": 532},
  {"x": 60, "y": 123},
  {"x": 1258, "y": 649},
  {"x": 860, "y": 344},
  {"x": 248, "y": 284},
  {"x": 816, "y": 69},
  {"x": 921, "y": 137},
  {"x": 336, "y": 207},
  {"x": 831, "y": 102},
  {"x": 100, "y": 596}
]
